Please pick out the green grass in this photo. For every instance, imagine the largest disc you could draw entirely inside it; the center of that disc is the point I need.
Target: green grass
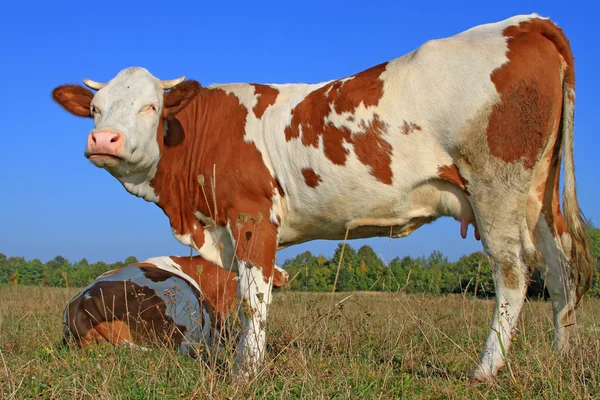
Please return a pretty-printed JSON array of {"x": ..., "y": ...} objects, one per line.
[{"x": 372, "y": 345}]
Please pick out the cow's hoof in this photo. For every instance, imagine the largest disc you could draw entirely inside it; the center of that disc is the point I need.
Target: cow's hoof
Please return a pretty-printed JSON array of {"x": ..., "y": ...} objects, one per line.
[{"x": 481, "y": 375}]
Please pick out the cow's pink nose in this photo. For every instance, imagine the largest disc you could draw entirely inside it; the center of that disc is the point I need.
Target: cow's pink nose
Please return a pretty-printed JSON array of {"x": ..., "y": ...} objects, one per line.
[{"x": 105, "y": 142}]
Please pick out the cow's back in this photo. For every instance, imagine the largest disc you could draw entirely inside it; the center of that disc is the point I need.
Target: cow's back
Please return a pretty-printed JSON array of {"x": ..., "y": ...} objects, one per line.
[{"x": 361, "y": 152}]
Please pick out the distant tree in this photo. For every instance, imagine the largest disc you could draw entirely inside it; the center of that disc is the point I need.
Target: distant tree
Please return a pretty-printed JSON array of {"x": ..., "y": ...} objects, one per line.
[
  {"x": 321, "y": 279},
  {"x": 54, "y": 271},
  {"x": 346, "y": 280},
  {"x": 474, "y": 269},
  {"x": 371, "y": 269},
  {"x": 359, "y": 270},
  {"x": 595, "y": 240},
  {"x": 4, "y": 275},
  {"x": 13, "y": 266},
  {"x": 400, "y": 270},
  {"x": 130, "y": 260},
  {"x": 57, "y": 262},
  {"x": 31, "y": 273},
  {"x": 346, "y": 259},
  {"x": 298, "y": 268}
]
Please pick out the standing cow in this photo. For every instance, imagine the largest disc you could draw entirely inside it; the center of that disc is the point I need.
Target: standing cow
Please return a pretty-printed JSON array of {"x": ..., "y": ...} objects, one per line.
[
  {"x": 178, "y": 301},
  {"x": 472, "y": 126}
]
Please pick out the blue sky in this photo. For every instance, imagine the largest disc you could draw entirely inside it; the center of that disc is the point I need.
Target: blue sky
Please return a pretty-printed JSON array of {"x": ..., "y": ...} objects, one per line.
[{"x": 54, "y": 202}]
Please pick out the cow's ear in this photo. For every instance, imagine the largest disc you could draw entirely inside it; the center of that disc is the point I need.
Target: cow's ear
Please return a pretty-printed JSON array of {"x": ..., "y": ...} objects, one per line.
[
  {"x": 75, "y": 99},
  {"x": 179, "y": 97}
]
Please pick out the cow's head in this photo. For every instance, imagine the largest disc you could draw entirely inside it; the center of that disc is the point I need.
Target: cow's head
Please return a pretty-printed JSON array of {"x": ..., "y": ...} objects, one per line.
[{"x": 127, "y": 112}]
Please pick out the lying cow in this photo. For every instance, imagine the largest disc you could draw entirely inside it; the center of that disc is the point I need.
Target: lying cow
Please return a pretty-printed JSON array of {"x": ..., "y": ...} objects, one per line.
[
  {"x": 178, "y": 301},
  {"x": 471, "y": 126}
]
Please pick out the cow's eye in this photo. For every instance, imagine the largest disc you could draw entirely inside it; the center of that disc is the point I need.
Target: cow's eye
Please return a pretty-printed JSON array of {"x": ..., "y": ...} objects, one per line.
[
  {"x": 149, "y": 107},
  {"x": 94, "y": 110}
]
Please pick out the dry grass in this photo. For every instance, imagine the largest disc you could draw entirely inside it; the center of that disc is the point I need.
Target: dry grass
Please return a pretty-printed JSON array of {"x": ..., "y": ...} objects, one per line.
[{"x": 371, "y": 345}]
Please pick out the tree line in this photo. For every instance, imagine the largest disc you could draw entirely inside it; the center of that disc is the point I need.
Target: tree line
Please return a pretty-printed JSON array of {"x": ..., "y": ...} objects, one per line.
[
  {"x": 58, "y": 272},
  {"x": 359, "y": 270}
]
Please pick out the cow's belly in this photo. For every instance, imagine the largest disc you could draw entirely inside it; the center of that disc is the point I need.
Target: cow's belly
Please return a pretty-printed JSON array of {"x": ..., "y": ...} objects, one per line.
[
  {"x": 384, "y": 179},
  {"x": 379, "y": 213}
]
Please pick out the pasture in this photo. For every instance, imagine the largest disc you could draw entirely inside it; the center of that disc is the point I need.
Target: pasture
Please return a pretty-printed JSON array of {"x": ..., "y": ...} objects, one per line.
[{"x": 349, "y": 345}]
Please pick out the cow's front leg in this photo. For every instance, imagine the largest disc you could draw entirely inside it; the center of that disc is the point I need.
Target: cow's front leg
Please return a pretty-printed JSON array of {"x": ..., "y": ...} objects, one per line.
[
  {"x": 255, "y": 247},
  {"x": 255, "y": 296}
]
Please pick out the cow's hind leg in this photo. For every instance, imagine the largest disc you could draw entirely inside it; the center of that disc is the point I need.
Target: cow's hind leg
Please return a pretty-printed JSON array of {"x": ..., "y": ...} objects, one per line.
[
  {"x": 507, "y": 241},
  {"x": 498, "y": 193},
  {"x": 558, "y": 280},
  {"x": 553, "y": 241}
]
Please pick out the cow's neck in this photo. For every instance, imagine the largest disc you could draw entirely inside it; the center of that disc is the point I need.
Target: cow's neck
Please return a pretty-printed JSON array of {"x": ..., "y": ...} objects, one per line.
[
  {"x": 203, "y": 147},
  {"x": 139, "y": 184}
]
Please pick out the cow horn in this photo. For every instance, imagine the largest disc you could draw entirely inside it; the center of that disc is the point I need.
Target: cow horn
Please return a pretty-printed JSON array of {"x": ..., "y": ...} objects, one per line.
[
  {"x": 93, "y": 84},
  {"x": 170, "y": 84}
]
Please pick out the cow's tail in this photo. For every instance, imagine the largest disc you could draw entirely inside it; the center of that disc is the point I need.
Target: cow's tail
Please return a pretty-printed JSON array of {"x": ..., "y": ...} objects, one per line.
[{"x": 581, "y": 249}]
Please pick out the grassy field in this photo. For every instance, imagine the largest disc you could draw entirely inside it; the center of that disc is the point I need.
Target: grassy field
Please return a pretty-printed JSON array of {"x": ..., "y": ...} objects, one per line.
[{"x": 353, "y": 345}]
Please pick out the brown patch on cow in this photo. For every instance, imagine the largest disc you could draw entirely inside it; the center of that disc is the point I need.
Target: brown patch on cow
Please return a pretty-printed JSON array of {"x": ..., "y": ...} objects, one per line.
[
  {"x": 90, "y": 337},
  {"x": 177, "y": 98},
  {"x": 560, "y": 225},
  {"x": 451, "y": 174},
  {"x": 548, "y": 190},
  {"x": 372, "y": 150},
  {"x": 76, "y": 99},
  {"x": 409, "y": 127},
  {"x": 246, "y": 184},
  {"x": 114, "y": 332},
  {"x": 551, "y": 204},
  {"x": 279, "y": 278},
  {"x": 510, "y": 275},
  {"x": 156, "y": 274},
  {"x": 311, "y": 178},
  {"x": 267, "y": 96},
  {"x": 279, "y": 188},
  {"x": 551, "y": 209},
  {"x": 309, "y": 121},
  {"x": 173, "y": 133},
  {"x": 145, "y": 264},
  {"x": 530, "y": 89},
  {"x": 215, "y": 282},
  {"x": 554, "y": 34},
  {"x": 116, "y": 310},
  {"x": 545, "y": 32},
  {"x": 218, "y": 286},
  {"x": 112, "y": 272}
]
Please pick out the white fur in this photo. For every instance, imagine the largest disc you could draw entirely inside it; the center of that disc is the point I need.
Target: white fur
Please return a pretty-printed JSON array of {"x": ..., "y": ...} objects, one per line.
[
  {"x": 416, "y": 89},
  {"x": 134, "y": 88},
  {"x": 139, "y": 185},
  {"x": 255, "y": 295},
  {"x": 217, "y": 247},
  {"x": 441, "y": 87}
]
